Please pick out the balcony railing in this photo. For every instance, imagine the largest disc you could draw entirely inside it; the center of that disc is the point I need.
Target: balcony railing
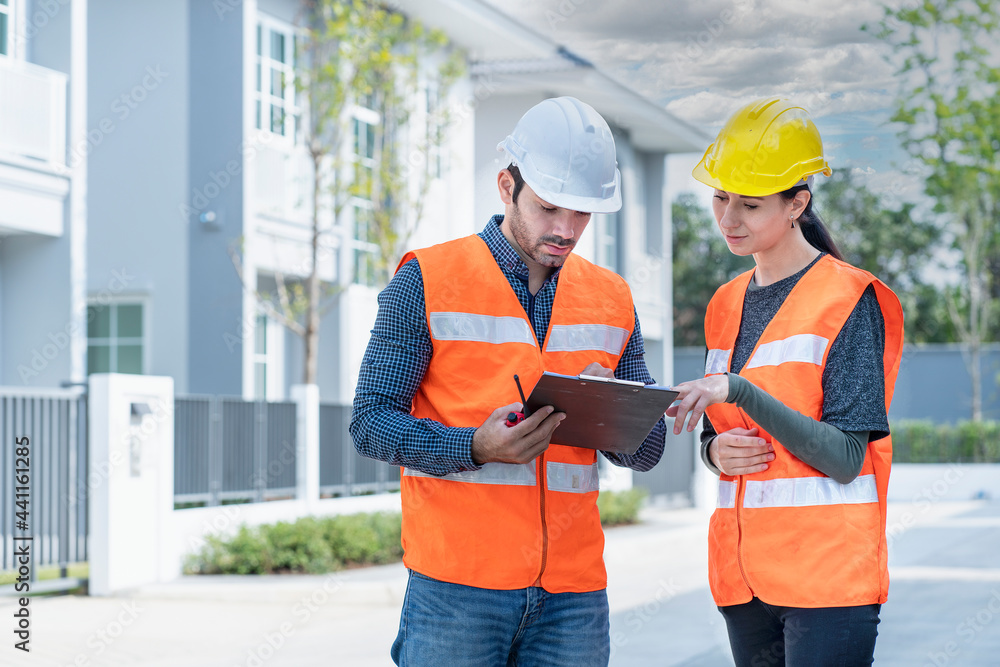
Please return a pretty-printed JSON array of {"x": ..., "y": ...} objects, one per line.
[{"x": 32, "y": 111}]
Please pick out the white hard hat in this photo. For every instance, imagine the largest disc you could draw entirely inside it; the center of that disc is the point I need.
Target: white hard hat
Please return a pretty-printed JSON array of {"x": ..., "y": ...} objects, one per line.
[{"x": 565, "y": 152}]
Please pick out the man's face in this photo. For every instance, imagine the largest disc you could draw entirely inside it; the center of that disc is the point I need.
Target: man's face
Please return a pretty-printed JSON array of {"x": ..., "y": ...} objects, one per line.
[{"x": 544, "y": 235}]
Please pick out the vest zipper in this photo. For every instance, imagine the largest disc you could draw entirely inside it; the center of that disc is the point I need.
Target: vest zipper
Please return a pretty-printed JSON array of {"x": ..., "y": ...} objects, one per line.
[
  {"x": 739, "y": 533},
  {"x": 541, "y": 504}
]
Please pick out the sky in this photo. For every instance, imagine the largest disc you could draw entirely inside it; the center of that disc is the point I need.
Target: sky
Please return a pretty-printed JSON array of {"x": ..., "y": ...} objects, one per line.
[{"x": 704, "y": 60}]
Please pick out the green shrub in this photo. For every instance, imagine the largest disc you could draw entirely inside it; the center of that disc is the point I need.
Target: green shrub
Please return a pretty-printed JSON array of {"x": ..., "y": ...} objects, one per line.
[
  {"x": 926, "y": 442},
  {"x": 365, "y": 539},
  {"x": 620, "y": 507},
  {"x": 309, "y": 545}
]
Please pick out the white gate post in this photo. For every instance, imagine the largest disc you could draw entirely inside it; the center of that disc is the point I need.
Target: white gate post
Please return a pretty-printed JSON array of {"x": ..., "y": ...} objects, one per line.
[
  {"x": 306, "y": 397},
  {"x": 130, "y": 481}
]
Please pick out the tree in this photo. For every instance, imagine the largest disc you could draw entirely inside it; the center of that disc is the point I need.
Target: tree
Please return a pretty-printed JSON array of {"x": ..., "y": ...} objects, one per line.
[
  {"x": 701, "y": 263},
  {"x": 948, "y": 111},
  {"x": 352, "y": 54}
]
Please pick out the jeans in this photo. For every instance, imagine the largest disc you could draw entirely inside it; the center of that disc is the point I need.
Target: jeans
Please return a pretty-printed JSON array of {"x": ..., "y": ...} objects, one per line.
[
  {"x": 451, "y": 624},
  {"x": 761, "y": 635}
]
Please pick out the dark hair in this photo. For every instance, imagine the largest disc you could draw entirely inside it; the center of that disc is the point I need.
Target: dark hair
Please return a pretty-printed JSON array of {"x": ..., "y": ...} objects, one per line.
[
  {"x": 812, "y": 226},
  {"x": 518, "y": 181}
]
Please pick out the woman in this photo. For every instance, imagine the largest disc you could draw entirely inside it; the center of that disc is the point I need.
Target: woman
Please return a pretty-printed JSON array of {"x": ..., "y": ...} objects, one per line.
[{"x": 802, "y": 357}]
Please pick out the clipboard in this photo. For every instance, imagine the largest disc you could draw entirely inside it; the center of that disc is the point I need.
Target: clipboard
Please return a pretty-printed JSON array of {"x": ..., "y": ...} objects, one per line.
[{"x": 601, "y": 413}]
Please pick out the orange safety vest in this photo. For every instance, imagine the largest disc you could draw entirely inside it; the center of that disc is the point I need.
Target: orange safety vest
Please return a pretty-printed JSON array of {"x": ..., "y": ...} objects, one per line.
[
  {"x": 508, "y": 526},
  {"x": 791, "y": 536}
]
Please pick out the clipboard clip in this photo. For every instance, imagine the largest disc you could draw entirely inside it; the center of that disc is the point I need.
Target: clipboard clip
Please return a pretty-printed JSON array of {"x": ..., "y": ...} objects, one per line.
[{"x": 597, "y": 378}]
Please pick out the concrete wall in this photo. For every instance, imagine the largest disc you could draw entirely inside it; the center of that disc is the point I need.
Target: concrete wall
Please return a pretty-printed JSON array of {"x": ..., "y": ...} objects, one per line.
[
  {"x": 934, "y": 383},
  {"x": 138, "y": 109}
]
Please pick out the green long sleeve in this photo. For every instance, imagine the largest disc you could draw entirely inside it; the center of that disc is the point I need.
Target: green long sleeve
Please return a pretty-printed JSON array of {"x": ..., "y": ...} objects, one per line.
[{"x": 838, "y": 454}]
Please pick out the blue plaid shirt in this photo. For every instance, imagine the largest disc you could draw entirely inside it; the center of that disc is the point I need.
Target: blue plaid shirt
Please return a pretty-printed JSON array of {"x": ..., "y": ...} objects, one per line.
[{"x": 399, "y": 353}]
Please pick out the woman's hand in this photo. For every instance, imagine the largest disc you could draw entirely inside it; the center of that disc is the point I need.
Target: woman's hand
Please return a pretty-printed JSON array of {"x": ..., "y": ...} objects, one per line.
[
  {"x": 739, "y": 451},
  {"x": 694, "y": 397}
]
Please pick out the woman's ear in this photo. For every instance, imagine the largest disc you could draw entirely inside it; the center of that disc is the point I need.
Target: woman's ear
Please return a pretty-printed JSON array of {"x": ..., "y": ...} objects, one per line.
[{"x": 800, "y": 202}]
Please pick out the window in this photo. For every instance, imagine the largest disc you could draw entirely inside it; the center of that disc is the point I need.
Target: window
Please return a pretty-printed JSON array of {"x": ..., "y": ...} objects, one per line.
[
  {"x": 435, "y": 130},
  {"x": 365, "y": 248},
  {"x": 115, "y": 338},
  {"x": 276, "y": 110},
  {"x": 260, "y": 358},
  {"x": 609, "y": 241},
  {"x": 364, "y": 158},
  {"x": 268, "y": 359},
  {"x": 364, "y": 235},
  {"x": 6, "y": 27}
]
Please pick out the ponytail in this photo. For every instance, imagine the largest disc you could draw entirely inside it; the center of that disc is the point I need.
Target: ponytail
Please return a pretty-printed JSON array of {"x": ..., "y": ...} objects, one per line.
[{"x": 812, "y": 226}]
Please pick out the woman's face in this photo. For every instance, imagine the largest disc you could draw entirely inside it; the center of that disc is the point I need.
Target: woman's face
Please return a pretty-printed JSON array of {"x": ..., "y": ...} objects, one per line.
[{"x": 752, "y": 225}]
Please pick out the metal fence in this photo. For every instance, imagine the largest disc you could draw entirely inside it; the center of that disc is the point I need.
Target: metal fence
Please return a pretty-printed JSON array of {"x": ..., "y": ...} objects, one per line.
[
  {"x": 342, "y": 471},
  {"x": 55, "y": 423},
  {"x": 228, "y": 449}
]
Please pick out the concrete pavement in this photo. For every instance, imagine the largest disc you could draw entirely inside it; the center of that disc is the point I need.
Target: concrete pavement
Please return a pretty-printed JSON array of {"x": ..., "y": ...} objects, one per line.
[{"x": 944, "y": 606}]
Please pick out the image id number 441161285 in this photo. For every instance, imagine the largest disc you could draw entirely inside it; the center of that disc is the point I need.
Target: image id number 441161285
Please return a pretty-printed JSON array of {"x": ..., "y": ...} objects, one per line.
[{"x": 22, "y": 540}]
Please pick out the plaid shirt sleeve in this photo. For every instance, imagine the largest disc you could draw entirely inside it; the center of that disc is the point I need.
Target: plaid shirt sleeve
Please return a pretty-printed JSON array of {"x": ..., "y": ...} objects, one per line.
[
  {"x": 632, "y": 366},
  {"x": 394, "y": 364}
]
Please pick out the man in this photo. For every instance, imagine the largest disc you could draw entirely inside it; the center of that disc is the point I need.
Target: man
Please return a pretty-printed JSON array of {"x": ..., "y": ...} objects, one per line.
[{"x": 501, "y": 531}]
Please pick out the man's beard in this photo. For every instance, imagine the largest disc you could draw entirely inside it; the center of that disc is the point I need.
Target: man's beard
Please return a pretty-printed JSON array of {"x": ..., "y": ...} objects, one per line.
[{"x": 535, "y": 248}]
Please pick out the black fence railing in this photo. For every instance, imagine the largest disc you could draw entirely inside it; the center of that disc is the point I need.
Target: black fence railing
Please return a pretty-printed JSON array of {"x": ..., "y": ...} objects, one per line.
[
  {"x": 231, "y": 450},
  {"x": 55, "y": 512},
  {"x": 342, "y": 471}
]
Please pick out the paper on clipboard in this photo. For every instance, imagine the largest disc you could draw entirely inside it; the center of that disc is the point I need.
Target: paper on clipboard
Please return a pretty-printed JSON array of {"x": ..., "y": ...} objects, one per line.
[{"x": 601, "y": 413}]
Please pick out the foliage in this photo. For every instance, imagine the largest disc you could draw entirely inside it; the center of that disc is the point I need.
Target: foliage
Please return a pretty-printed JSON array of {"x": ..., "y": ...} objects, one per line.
[
  {"x": 948, "y": 114},
  {"x": 927, "y": 442},
  {"x": 309, "y": 545},
  {"x": 620, "y": 507},
  {"x": 702, "y": 262}
]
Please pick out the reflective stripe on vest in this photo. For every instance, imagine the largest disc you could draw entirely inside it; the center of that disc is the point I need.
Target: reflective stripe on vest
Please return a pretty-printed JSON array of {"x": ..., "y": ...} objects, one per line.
[
  {"x": 571, "y": 478},
  {"x": 717, "y": 361},
  {"x": 583, "y": 337},
  {"x": 809, "y": 491},
  {"x": 808, "y": 348},
  {"x": 799, "y": 492},
  {"x": 480, "y": 328},
  {"x": 727, "y": 494},
  {"x": 505, "y": 474},
  {"x": 566, "y": 477}
]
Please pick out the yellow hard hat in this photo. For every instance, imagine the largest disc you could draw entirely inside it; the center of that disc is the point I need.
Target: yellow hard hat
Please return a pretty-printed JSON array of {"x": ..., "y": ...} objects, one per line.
[{"x": 766, "y": 147}]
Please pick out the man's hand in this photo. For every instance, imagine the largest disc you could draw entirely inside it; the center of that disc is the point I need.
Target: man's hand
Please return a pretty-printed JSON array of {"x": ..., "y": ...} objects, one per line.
[
  {"x": 597, "y": 370},
  {"x": 494, "y": 441},
  {"x": 694, "y": 397},
  {"x": 739, "y": 451}
]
